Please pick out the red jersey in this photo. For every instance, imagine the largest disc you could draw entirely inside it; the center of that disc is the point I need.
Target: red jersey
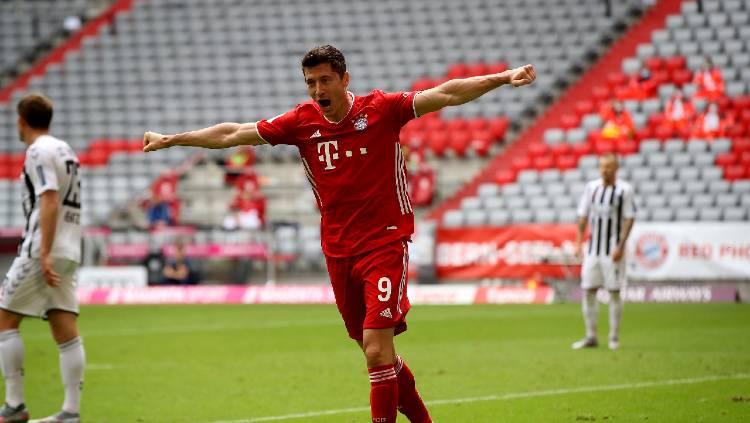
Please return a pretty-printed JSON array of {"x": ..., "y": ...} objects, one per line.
[{"x": 355, "y": 167}]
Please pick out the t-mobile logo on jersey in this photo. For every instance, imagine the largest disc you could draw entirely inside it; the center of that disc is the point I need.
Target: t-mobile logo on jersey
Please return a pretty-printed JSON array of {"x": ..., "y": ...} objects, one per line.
[{"x": 329, "y": 151}]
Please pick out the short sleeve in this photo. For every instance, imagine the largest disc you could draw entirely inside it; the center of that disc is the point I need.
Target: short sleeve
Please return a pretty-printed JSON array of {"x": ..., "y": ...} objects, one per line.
[
  {"x": 628, "y": 204},
  {"x": 40, "y": 166},
  {"x": 584, "y": 203},
  {"x": 279, "y": 129},
  {"x": 401, "y": 105}
]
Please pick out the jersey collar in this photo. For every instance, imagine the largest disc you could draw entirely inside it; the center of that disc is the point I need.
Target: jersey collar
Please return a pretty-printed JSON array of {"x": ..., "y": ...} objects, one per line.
[{"x": 351, "y": 106}]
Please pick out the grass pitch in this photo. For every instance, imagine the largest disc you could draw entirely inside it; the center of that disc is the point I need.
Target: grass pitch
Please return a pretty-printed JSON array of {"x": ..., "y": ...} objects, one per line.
[{"x": 677, "y": 363}]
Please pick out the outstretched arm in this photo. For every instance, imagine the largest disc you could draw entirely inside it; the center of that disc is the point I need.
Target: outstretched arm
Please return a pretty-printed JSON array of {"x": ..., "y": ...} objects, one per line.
[
  {"x": 460, "y": 91},
  {"x": 223, "y": 135}
]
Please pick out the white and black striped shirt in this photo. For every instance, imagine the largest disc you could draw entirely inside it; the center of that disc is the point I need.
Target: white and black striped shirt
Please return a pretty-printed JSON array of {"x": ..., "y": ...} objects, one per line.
[
  {"x": 606, "y": 207},
  {"x": 51, "y": 165}
]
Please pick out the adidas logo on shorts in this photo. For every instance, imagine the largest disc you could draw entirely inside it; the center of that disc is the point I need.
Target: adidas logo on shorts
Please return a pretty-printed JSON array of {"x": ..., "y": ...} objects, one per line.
[{"x": 386, "y": 313}]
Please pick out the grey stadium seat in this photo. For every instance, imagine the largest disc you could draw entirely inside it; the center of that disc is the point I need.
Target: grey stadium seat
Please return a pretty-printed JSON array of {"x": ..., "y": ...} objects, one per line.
[
  {"x": 686, "y": 214},
  {"x": 696, "y": 187},
  {"x": 662, "y": 214},
  {"x": 545, "y": 216},
  {"x": 672, "y": 187},
  {"x": 735, "y": 214},
  {"x": 494, "y": 203},
  {"x": 711, "y": 214},
  {"x": 703, "y": 200},
  {"x": 453, "y": 219},
  {"x": 521, "y": 216},
  {"x": 727, "y": 200},
  {"x": 499, "y": 217},
  {"x": 471, "y": 203},
  {"x": 568, "y": 215},
  {"x": 476, "y": 218},
  {"x": 679, "y": 200},
  {"x": 741, "y": 186},
  {"x": 488, "y": 190}
]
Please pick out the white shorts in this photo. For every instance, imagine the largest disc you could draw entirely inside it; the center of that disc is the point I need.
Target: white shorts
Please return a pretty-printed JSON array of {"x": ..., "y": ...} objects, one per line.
[
  {"x": 25, "y": 291},
  {"x": 598, "y": 272}
]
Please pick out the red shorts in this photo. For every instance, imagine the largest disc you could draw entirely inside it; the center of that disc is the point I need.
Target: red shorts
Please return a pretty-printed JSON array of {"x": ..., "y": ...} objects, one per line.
[{"x": 370, "y": 288}]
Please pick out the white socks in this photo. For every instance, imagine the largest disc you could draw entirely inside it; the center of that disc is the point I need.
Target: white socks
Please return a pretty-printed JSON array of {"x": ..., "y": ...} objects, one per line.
[
  {"x": 72, "y": 363},
  {"x": 590, "y": 312},
  {"x": 11, "y": 354},
  {"x": 615, "y": 314}
]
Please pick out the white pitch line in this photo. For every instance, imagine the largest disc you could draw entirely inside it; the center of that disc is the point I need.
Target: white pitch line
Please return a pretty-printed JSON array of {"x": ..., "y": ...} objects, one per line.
[{"x": 506, "y": 397}]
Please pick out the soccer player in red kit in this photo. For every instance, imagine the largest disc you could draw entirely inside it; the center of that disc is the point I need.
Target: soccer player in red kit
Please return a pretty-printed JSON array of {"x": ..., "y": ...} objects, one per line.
[{"x": 352, "y": 157}]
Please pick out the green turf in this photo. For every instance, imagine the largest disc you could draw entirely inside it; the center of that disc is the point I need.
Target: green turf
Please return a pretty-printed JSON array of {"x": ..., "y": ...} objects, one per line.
[{"x": 214, "y": 363}]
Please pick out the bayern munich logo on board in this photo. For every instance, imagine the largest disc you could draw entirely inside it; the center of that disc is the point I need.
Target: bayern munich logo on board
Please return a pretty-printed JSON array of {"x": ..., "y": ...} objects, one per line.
[{"x": 651, "y": 250}]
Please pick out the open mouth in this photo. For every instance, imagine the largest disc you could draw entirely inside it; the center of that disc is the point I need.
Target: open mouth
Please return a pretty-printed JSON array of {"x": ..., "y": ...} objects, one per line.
[{"x": 324, "y": 102}]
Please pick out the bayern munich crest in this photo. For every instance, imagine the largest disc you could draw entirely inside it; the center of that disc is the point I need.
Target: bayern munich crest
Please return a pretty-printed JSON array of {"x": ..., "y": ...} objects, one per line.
[
  {"x": 651, "y": 250},
  {"x": 360, "y": 123}
]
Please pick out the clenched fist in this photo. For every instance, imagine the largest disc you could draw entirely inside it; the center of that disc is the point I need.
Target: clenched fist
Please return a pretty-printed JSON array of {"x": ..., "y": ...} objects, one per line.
[
  {"x": 523, "y": 75},
  {"x": 153, "y": 141}
]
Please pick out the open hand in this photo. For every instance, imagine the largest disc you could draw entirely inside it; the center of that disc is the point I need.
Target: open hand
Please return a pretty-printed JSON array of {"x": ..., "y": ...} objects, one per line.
[
  {"x": 523, "y": 75},
  {"x": 50, "y": 276},
  {"x": 153, "y": 141}
]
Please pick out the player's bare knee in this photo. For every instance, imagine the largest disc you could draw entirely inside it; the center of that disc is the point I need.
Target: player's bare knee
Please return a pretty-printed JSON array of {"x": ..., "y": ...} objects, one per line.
[
  {"x": 378, "y": 354},
  {"x": 9, "y": 321}
]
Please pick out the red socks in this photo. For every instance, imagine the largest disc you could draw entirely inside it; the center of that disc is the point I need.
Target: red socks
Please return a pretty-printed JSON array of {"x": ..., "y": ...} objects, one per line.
[
  {"x": 383, "y": 394},
  {"x": 409, "y": 401}
]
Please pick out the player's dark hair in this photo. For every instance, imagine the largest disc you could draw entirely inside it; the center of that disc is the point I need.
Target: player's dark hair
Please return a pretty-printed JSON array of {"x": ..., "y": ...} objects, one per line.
[
  {"x": 36, "y": 111},
  {"x": 325, "y": 54}
]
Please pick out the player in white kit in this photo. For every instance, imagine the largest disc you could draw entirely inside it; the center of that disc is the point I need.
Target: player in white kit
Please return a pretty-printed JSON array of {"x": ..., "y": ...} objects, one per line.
[
  {"x": 608, "y": 206},
  {"x": 41, "y": 280}
]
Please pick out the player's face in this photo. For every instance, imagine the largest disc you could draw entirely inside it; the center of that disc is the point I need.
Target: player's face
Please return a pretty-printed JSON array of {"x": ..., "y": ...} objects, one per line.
[
  {"x": 608, "y": 168},
  {"x": 327, "y": 88},
  {"x": 21, "y": 129}
]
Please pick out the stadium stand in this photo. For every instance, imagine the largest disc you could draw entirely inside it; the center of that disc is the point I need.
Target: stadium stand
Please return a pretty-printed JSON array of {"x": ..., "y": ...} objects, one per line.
[
  {"x": 677, "y": 176},
  {"x": 122, "y": 74}
]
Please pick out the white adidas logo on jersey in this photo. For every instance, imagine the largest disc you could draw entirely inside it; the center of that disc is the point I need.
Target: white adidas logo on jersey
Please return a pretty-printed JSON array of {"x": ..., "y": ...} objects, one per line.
[{"x": 386, "y": 313}]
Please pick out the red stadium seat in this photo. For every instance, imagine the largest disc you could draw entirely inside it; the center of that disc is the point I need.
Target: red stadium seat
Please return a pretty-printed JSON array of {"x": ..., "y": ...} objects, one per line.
[
  {"x": 741, "y": 145},
  {"x": 676, "y": 62},
  {"x": 98, "y": 157},
  {"x": 741, "y": 103},
  {"x": 643, "y": 132},
  {"x": 481, "y": 141},
  {"x": 584, "y": 107},
  {"x": 605, "y": 147},
  {"x": 745, "y": 159},
  {"x": 505, "y": 176},
  {"x": 569, "y": 121},
  {"x": 726, "y": 159},
  {"x": 457, "y": 70},
  {"x": 615, "y": 80},
  {"x": 438, "y": 142},
  {"x": 601, "y": 93},
  {"x": 655, "y": 64},
  {"x": 498, "y": 127},
  {"x": 538, "y": 150},
  {"x": 456, "y": 125},
  {"x": 543, "y": 162},
  {"x": 498, "y": 67},
  {"x": 681, "y": 77},
  {"x": 662, "y": 132},
  {"x": 660, "y": 77},
  {"x": 135, "y": 146},
  {"x": 477, "y": 123},
  {"x": 626, "y": 147},
  {"x": 581, "y": 149},
  {"x": 732, "y": 173},
  {"x": 458, "y": 141},
  {"x": 521, "y": 163},
  {"x": 566, "y": 162},
  {"x": 561, "y": 150}
]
